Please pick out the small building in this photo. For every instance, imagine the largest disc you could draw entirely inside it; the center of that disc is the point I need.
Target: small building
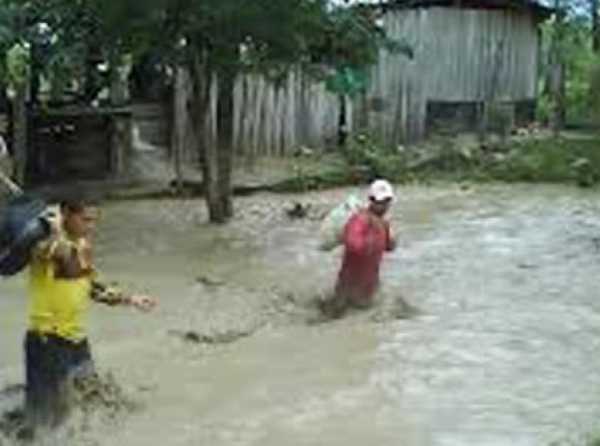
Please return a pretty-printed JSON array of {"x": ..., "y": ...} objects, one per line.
[
  {"x": 467, "y": 53},
  {"x": 78, "y": 143}
]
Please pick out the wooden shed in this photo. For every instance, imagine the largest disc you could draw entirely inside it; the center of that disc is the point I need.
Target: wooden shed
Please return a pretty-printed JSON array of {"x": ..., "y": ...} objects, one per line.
[{"x": 467, "y": 53}]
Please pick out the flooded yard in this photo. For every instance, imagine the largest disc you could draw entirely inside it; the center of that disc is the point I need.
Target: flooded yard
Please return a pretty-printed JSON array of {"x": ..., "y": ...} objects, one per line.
[{"x": 502, "y": 351}]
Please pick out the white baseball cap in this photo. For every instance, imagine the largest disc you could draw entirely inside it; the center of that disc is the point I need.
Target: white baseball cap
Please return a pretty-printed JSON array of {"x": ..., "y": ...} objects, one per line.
[{"x": 381, "y": 190}]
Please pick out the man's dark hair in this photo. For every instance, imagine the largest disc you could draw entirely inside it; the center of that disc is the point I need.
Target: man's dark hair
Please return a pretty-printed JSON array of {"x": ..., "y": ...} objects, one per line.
[{"x": 76, "y": 201}]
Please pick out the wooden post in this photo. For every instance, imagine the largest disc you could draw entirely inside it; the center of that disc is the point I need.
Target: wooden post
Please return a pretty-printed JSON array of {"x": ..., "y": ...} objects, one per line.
[
  {"x": 491, "y": 92},
  {"x": 342, "y": 121},
  {"x": 119, "y": 75},
  {"x": 121, "y": 143},
  {"x": 20, "y": 128}
]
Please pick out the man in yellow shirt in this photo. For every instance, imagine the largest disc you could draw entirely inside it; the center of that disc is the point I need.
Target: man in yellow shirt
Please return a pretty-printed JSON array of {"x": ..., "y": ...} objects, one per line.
[{"x": 62, "y": 282}]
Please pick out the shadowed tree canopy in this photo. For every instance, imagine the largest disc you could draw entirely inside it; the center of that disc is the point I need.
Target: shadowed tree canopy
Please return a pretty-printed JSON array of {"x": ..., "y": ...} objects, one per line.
[{"x": 211, "y": 38}]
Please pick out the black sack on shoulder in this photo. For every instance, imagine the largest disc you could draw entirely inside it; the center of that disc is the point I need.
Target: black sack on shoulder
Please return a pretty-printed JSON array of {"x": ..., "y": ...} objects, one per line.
[{"x": 22, "y": 226}]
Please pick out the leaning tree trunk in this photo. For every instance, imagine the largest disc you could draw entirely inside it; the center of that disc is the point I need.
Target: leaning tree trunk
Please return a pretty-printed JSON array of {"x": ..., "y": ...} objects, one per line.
[{"x": 20, "y": 133}]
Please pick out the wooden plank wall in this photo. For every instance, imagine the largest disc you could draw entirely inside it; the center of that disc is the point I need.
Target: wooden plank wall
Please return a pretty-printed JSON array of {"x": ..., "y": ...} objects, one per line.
[
  {"x": 276, "y": 119},
  {"x": 460, "y": 56}
]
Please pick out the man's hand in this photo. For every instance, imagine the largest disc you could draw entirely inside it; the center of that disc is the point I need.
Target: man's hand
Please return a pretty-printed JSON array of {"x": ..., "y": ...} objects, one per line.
[
  {"x": 393, "y": 243},
  {"x": 142, "y": 302}
]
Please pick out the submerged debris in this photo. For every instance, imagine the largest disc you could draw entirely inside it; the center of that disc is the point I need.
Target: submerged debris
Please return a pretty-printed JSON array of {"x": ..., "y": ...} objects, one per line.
[
  {"x": 226, "y": 337},
  {"x": 527, "y": 266},
  {"x": 210, "y": 281},
  {"x": 298, "y": 211}
]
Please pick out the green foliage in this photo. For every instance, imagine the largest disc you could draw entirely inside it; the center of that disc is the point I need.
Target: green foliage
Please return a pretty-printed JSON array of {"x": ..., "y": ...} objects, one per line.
[
  {"x": 547, "y": 160},
  {"x": 17, "y": 64},
  {"x": 544, "y": 108},
  {"x": 594, "y": 93},
  {"x": 351, "y": 41},
  {"x": 534, "y": 161},
  {"x": 124, "y": 26},
  {"x": 10, "y": 34},
  {"x": 65, "y": 36},
  {"x": 377, "y": 160},
  {"x": 331, "y": 177},
  {"x": 348, "y": 81},
  {"x": 574, "y": 160},
  {"x": 351, "y": 38},
  {"x": 272, "y": 35},
  {"x": 574, "y": 41},
  {"x": 551, "y": 160},
  {"x": 580, "y": 62}
]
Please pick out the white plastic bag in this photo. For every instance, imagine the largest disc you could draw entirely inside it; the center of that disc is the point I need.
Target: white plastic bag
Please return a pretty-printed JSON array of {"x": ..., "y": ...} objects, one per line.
[{"x": 332, "y": 228}]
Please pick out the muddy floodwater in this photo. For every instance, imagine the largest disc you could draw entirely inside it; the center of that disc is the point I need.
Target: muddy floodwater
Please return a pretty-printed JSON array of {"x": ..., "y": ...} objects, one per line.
[{"x": 503, "y": 350}]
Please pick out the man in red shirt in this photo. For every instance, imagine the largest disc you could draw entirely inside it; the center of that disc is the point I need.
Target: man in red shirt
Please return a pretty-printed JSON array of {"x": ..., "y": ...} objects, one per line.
[{"x": 366, "y": 237}]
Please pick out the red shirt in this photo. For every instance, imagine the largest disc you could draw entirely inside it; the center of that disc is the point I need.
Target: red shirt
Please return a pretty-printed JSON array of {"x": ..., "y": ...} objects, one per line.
[{"x": 366, "y": 237}]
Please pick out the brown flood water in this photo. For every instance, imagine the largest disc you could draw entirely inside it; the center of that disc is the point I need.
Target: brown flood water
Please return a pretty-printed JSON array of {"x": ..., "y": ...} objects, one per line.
[{"x": 504, "y": 350}]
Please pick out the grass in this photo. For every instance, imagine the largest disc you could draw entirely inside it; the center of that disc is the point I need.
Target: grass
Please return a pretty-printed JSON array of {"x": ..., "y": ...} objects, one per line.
[
  {"x": 570, "y": 160},
  {"x": 594, "y": 442},
  {"x": 550, "y": 161}
]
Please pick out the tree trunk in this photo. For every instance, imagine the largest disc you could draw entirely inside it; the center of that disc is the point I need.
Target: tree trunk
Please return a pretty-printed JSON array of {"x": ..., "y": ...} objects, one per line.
[
  {"x": 179, "y": 126},
  {"x": 200, "y": 110},
  {"x": 20, "y": 133},
  {"x": 216, "y": 213},
  {"x": 92, "y": 82},
  {"x": 219, "y": 156},
  {"x": 225, "y": 126},
  {"x": 216, "y": 156}
]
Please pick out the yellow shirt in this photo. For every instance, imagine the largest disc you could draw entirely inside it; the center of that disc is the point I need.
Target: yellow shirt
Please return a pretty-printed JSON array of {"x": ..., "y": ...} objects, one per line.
[{"x": 57, "y": 306}]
